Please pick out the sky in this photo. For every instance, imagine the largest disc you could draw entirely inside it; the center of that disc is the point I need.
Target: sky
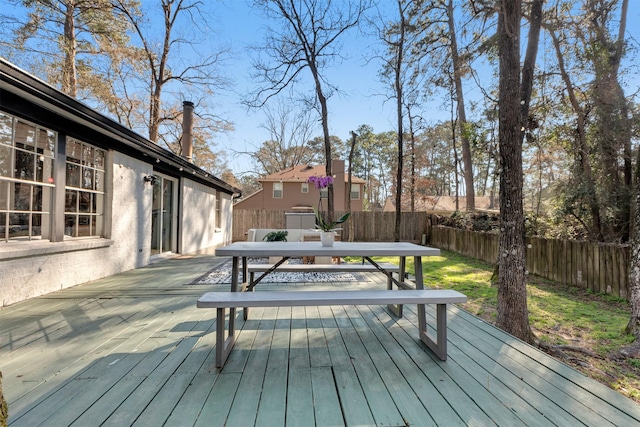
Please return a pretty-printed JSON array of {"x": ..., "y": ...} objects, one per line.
[{"x": 360, "y": 100}]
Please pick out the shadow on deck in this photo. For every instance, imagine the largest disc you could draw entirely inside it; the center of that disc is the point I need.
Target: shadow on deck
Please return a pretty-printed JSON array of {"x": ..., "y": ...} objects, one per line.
[{"x": 133, "y": 349}]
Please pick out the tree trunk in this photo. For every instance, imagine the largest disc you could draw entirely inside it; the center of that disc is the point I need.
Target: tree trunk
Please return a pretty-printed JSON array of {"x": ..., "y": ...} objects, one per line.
[
  {"x": 462, "y": 115},
  {"x": 69, "y": 72},
  {"x": 349, "y": 181},
  {"x": 513, "y": 316},
  {"x": 633, "y": 327},
  {"x": 399, "y": 95}
]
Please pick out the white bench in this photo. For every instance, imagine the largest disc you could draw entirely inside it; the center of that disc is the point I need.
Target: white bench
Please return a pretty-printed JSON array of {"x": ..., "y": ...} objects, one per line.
[
  {"x": 322, "y": 268},
  {"x": 232, "y": 300}
]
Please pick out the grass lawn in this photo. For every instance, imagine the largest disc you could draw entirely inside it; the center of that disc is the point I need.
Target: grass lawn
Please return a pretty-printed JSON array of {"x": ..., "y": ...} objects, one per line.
[{"x": 580, "y": 328}]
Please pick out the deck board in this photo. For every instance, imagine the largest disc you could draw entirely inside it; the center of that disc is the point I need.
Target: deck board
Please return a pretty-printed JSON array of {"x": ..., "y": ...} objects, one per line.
[{"x": 133, "y": 349}]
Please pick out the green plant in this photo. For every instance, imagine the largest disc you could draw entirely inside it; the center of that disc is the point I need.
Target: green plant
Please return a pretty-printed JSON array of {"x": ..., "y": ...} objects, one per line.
[
  {"x": 276, "y": 236},
  {"x": 329, "y": 226}
]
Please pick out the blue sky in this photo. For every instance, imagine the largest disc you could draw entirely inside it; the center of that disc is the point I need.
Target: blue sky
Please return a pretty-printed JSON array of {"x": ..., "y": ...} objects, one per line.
[
  {"x": 236, "y": 25},
  {"x": 360, "y": 101}
]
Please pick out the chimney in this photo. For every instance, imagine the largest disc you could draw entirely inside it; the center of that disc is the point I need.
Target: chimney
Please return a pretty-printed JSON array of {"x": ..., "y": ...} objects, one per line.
[{"x": 187, "y": 130}]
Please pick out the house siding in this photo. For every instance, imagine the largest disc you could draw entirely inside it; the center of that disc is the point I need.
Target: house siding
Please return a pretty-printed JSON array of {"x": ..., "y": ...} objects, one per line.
[
  {"x": 199, "y": 230},
  {"x": 37, "y": 267},
  {"x": 69, "y": 263}
]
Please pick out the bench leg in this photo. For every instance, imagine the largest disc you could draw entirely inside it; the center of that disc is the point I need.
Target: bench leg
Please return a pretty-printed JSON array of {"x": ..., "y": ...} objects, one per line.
[
  {"x": 439, "y": 347},
  {"x": 224, "y": 344}
]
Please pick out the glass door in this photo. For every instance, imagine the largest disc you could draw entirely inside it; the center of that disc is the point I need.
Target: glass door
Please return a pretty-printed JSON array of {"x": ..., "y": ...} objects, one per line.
[{"x": 163, "y": 218}]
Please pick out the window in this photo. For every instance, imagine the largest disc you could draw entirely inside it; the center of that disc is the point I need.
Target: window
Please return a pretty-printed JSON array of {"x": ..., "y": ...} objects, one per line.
[
  {"x": 324, "y": 193},
  {"x": 355, "y": 191},
  {"x": 304, "y": 187},
  {"x": 218, "y": 210},
  {"x": 27, "y": 155},
  {"x": 277, "y": 190},
  {"x": 84, "y": 190}
]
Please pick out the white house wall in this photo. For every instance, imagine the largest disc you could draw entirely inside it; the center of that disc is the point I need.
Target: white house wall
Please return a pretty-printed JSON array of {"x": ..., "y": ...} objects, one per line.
[
  {"x": 198, "y": 220},
  {"x": 30, "y": 269}
]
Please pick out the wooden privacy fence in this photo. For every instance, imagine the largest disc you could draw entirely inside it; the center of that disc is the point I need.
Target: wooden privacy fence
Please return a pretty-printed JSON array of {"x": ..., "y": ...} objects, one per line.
[
  {"x": 368, "y": 226},
  {"x": 592, "y": 266}
]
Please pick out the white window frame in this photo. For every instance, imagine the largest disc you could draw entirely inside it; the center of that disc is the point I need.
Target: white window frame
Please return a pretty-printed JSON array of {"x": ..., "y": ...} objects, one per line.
[
  {"x": 304, "y": 187},
  {"x": 356, "y": 192},
  {"x": 91, "y": 162},
  {"x": 278, "y": 190},
  {"x": 30, "y": 195}
]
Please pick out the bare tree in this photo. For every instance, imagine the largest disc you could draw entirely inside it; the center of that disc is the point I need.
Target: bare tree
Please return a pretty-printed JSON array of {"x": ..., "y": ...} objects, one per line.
[
  {"x": 308, "y": 39},
  {"x": 66, "y": 40},
  {"x": 161, "y": 66},
  {"x": 514, "y": 98}
]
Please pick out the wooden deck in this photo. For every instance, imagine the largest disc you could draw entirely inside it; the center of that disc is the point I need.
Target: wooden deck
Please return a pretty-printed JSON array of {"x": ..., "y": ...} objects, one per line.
[{"x": 133, "y": 349}]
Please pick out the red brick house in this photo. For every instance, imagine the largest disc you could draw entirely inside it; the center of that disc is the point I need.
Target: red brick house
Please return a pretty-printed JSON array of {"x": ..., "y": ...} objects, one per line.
[{"x": 288, "y": 190}]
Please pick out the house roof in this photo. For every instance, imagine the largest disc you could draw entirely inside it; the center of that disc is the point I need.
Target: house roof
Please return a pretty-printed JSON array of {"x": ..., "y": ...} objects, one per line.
[
  {"x": 443, "y": 203},
  {"x": 27, "y": 86},
  {"x": 301, "y": 173}
]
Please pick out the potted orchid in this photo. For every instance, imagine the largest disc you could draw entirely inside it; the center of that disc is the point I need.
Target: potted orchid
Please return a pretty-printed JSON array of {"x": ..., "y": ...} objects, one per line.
[{"x": 327, "y": 228}]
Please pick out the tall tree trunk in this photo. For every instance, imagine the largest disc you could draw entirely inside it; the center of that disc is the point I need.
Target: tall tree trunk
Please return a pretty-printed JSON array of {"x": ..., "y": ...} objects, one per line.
[
  {"x": 349, "y": 182},
  {"x": 580, "y": 146},
  {"x": 399, "y": 99},
  {"x": 69, "y": 71},
  {"x": 513, "y": 315},
  {"x": 467, "y": 163},
  {"x": 633, "y": 327}
]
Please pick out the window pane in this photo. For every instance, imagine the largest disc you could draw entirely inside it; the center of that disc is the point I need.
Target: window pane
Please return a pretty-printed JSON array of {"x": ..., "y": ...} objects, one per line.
[
  {"x": 18, "y": 225},
  {"x": 5, "y": 160},
  {"x": 21, "y": 197},
  {"x": 84, "y": 225},
  {"x": 4, "y": 197},
  {"x": 99, "y": 159},
  {"x": 3, "y": 226},
  {"x": 87, "y": 155},
  {"x": 70, "y": 225},
  {"x": 84, "y": 202},
  {"x": 73, "y": 175},
  {"x": 71, "y": 201},
  {"x": 73, "y": 151},
  {"x": 46, "y": 143},
  {"x": 6, "y": 129},
  {"x": 36, "y": 225},
  {"x": 47, "y": 170},
  {"x": 99, "y": 181},
  {"x": 87, "y": 178},
  {"x": 25, "y": 165},
  {"x": 37, "y": 198},
  {"x": 25, "y": 136}
]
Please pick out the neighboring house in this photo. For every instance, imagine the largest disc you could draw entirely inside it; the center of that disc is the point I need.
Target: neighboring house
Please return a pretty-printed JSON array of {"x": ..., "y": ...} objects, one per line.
[
  {"x": 443, "y": 204},
  {"x": 83, "y": 197},
  {"x": 288, "y": 190}
]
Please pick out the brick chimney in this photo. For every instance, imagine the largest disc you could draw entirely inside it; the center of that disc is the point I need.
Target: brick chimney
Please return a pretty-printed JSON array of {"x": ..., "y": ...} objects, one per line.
[{"x": 187, "y": 130}]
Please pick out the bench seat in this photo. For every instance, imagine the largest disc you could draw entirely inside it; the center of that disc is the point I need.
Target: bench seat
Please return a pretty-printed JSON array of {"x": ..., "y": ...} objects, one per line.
[
  {"x": 232, "y": 300},
  {"x": 252, "y": 269},
  {"x": 325, "y": 268}
]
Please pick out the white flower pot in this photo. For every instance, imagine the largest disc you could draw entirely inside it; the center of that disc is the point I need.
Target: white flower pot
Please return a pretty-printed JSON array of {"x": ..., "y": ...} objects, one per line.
[{"x": 327, "y": 238}]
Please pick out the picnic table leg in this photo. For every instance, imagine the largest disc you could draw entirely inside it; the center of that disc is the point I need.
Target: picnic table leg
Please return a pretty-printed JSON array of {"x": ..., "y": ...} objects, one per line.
[
  {"x": 439, "y": 346},
  {"x": 396, "y": 309},
  {"x": 235, "y": 270}
]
